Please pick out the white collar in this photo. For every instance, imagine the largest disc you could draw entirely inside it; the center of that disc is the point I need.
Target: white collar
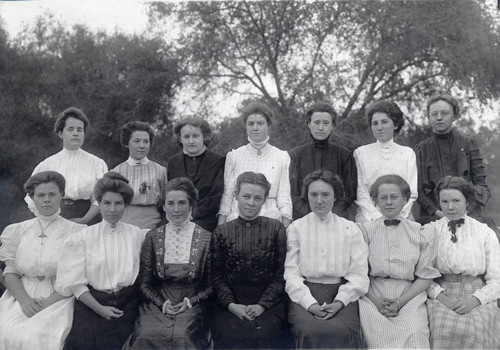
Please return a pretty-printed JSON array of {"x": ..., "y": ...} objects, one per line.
[
  {"x": 67, "y": 151},
  {"x": 327, "y": 218},
  {"x": 108, "y": 227},
  {"x": 133, "y": 162},
  {"x": 45, "y": 220},
  {"x": 387, "y": 144}
]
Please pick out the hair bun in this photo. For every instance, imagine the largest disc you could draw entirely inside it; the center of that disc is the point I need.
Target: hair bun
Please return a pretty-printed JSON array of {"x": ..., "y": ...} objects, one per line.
[{"x": 113, "y": 175}]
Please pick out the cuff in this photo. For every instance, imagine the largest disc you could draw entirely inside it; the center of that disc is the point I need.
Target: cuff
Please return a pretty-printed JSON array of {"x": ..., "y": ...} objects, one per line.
[
  {"x": 79, "y": 290},
  {"x": 10, "y": 269},
  {"x": 307, "y": 300},
  {"x": 434, "y": 292},
  {"x": 483, "y": 299},
  {"x": 343, "y": 297}
]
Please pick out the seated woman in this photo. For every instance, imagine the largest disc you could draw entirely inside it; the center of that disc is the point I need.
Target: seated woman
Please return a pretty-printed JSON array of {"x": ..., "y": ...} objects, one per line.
[
  {"x": 147, "y": 178},
  {"x": 247, "y": 273},
  {"x": 173, "y": 277},
  {"x": 463, "y": 311},
  {"x": 99, "y": 266},
  {"x": 382, "y": 158},
  {"x": 326, "y": 270},
  {"x": 260, "y": 157},
  {"x": 200, "y": 165},
  {"x": 401, "y": 259},
  {"x": 32, "y": 314}
]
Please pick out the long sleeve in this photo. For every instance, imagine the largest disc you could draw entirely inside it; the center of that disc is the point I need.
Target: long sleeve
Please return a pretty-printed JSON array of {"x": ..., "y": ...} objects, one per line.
[
  {"x": 146, "y": 276},
  {"x": 491, "y": 291},
  {"x": 349, "y": 175},
  {"x": 425, "y": 190},
  {"x": 300, "y": 205},
  {"x": 206, "y": 290},
  {"x": 229, "y": 182},
  {"x": 412, "y": 179},
  {"x": 222, "y": 292},
  {"x": 283, "y": 199},
  {"x": 363, "y": 199},
  {"x": 208, "y": 205},
  {"x": 477, "y": 174}
]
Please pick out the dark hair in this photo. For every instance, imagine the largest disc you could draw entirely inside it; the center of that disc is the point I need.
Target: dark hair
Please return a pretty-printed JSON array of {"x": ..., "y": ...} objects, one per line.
[
  {"x": 249, "y": 177},
  {"x": 128, "y": 129},
  {"x": 322, "y": 106},
  {"x": 457, "y": 183},
  {"x": 71, "y": 112},
  {"x": 326, "y": 176},
  {"x": 446, "y": 98},
  {"x": 182, "y": 184},
  {"x": 44, "y": 177},
  {"x": 256, "y": 107},
  {"x": 197, "y": 123},
  {"x": 391, "y": 109},
  {"x": 392, "y": 179},
  {"x": 116, "y": 183}
]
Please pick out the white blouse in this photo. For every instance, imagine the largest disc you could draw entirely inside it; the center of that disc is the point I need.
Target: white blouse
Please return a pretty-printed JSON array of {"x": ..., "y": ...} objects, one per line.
[
  {"x": 476, "y": 252},
  {"x": 80, "y": 169},
  {"x": 383, "y": 158},
  {"x": 323, "y": 251},
  {"x": 101, "y": 255},
  {"x": 178, "y": 239},
  {"x": 274, "y": 164}
]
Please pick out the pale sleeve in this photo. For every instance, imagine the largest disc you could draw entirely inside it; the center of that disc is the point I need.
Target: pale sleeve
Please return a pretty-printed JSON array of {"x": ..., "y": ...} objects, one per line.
[
  {"x": 296, "y": 289},
  {"x": 491, "y": 291},
  {"x": 431, "y": 232},
  {"x": 363, "y": 199},
  {"x": 71, "y": 268},
  {"x": 426, "y": 263},
  {"x": 412, "y": 179},
  {"x": 357, "y": 272},
  {"x": 101, "y": 168},
  {"x": 10, "y": 239},
  {"x": 284, "y": 199},
  {"x": 229, "y": 179}
]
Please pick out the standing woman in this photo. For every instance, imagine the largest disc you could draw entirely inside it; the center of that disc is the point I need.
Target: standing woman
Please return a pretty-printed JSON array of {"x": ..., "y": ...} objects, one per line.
[
  {"x": 32, "y": 314},
  {"x": 200, "y": 165},
  {"x": 146, "y": 177},
  {"x": 80, "y": 169},
  {"x": 463, "y": 311},
  {"x": 99, "y": 266},
  {"x": 173, "y": 277},
  {"x": 384, "y": 157},
  {"x": 326, "y": 270},
  {"x": 260, "y": 157}
]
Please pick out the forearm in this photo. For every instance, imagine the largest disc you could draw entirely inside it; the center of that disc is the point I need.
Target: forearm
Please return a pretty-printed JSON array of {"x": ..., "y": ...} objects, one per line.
[
  {"x": 418, "y": 286},
  {"x": 15, "y": 287},
  {"x": 52, "y": 299},
  {"x": 90, "y": 302}
]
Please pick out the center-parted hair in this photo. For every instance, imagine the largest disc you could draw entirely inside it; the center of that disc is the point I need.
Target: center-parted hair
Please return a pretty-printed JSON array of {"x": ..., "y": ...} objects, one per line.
[
  {"x": 182, "y": 184},
  {"x": 197, "y": 123},
  {"x": 452, "y": 101},
  {"x": 44, "y": 177},
  {"x": 390, "y": 179},
  {"x": 257, "y": 107},
  {"x": 128, "y": 129},
  {"x": 391, "y": 109},
  {"x": 325, "y": 176},
  {"x": 459, "y": 184},
  {"x": 71, "y": 112},
  {"x": 116, "y": 183},
  {"x": 249, "y": 177}
]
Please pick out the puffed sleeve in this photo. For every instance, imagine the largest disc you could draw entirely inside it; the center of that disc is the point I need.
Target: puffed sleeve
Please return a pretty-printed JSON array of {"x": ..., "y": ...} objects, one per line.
[
  {"x": 363, "y": 199},
  {"x": 427, "y": 260},
  {"x": 296, "y": 289},
  {"x": 431, "y": 232},
  {"x": 412, "y": 179},
  {"x": 284, "y": 199},
  {"x": 229, "y": 179},
  {"x": 146, "y": 278},
  {"x": 491, "y": 291},
  {"x": 71, "y": 268},
  {"x": 357, "y": 272},
  {"x": 222, "y": 292},
  {"x": 10, "y": 238}
]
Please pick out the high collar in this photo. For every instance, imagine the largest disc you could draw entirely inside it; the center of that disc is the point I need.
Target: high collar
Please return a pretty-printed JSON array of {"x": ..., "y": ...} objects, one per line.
[
  {"x": 326, "y": 218},
  {"x": 45, "y": 220},
  {"x": 108, "y": 227},
  {"x": 69, "y": 152},
  {"x": 196, "y": 156},
  {"x": 248, "y": 222},
  {"x": 319, "y": 144},
  {"x": 387, "y": 144},
  {"x": 133, "y": 162},
  {"x": 180, "y": 226},
  {"x": 444, "y": 136},
  {"x": 259, "y": 144}
]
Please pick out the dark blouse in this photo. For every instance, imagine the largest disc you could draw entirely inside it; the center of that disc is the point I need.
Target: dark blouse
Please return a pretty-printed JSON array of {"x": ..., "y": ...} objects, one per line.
[
  {"x": 322, "y": 155},
  {"x": 249, "y": 252}
]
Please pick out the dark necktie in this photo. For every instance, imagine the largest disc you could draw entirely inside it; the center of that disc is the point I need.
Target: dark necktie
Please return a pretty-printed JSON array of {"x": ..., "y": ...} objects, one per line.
[
  {"x": 452, "y": 225},
  {"x": 393, "y": 222}
]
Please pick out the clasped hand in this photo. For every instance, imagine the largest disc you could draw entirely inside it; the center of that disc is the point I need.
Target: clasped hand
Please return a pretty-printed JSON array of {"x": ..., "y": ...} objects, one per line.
[
  {"x": 169, "y": 309},
  {"x": 31, "y": 306},
  {"x": 387, "y": 307},
  {"x": 246, "y": 312},
  {"x": 461, "y": 306},
  {"x": 325, "y": 311}
]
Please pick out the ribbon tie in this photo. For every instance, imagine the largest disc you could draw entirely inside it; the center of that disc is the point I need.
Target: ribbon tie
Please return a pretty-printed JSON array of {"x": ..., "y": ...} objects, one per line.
[
  {"x": 452, "y": 225},
  {"x": 393, "y": 222}
]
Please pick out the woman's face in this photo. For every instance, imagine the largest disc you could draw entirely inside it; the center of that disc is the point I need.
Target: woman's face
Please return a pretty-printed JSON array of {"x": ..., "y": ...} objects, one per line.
[
  {"x": 112, "y": 206},
  {"x": 73, "y": 134},
  {"x": 390, "y": 200},
  {"x": 257, "y": 127},
  {"x": 177, "y": 207},
  {"x": 453, "y": 203},
  {"x": 321, "y": 197},
  {"x": 192, "y": 140},
  {"x": 47, "y": 198},
  {"x": 382, "y": 127},
  {"x": 139, "y": 145},
  {"x": 251, "y": 198},
  {"x": 321, "y": 125},
  {"x": 441, "y": 116}
]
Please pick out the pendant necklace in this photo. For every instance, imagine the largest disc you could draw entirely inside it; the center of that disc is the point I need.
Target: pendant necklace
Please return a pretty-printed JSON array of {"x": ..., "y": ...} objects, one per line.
[{"x": 259, "y": 150}]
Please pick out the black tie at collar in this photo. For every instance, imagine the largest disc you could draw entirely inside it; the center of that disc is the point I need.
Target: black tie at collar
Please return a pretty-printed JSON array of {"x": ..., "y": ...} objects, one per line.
[
  {"x": 452, "y": 225},
  {"x": 393, "y": 222}
]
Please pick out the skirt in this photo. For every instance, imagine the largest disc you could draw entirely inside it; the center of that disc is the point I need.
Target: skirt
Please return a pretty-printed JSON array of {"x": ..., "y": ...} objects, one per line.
[
  {"x": 268, "y": 331},
  {"x": 478, "y": 329},
  {"x": 343, "y": 331},
  {"x": 92, "y": 332}
]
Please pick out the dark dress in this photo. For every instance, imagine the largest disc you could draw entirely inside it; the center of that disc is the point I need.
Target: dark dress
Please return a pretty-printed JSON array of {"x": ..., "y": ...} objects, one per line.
[
  {"x": 207, "y": 173},
  {"x": 247, "y": 268},
  {"x": 159, "y": 282},
  {"x": 327, "y": 156},
  {"x": 449, "y": 154}
]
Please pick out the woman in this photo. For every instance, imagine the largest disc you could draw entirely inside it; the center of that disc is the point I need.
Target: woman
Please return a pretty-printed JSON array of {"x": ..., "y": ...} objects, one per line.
[
  {"x": 401, "y": 259},
  {"x": 99, "y": 266},
  {"x": 173, "y": 277},
  {"x": 247, "y": 273},
  {"x": 463, "y": 311},
  {"x": 146, "y": 177},
  {"x": 200, "y": 165},
  {"x": 325, "y": 270},
  {"x": 80, "y": 169},
  {"x": 383, "y": 157},
  {"x": 258, "y": 156},
  {"x": 32, "y": 314}
]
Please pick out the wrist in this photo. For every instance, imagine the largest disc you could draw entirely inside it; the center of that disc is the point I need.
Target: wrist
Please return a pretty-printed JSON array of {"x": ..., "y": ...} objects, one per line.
[{"x": 188, "y": 303}]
